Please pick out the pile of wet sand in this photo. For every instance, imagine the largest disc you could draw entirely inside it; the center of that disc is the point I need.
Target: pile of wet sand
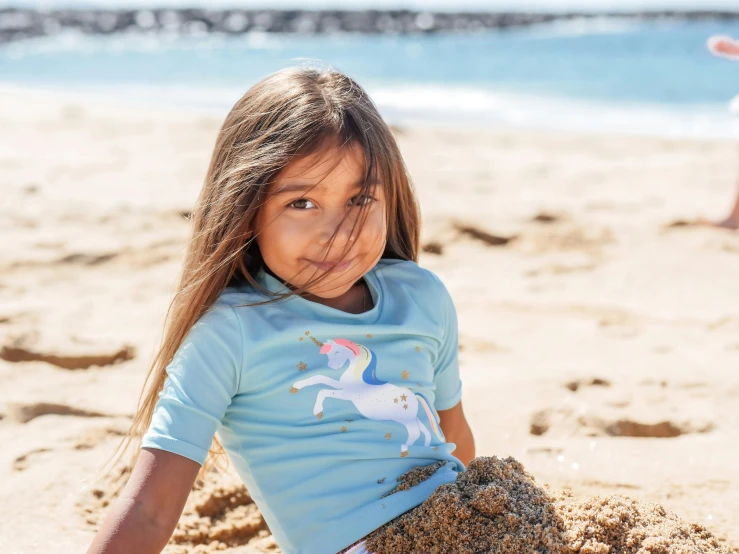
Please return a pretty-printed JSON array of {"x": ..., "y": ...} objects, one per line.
[{"x": 496, "y": 507}]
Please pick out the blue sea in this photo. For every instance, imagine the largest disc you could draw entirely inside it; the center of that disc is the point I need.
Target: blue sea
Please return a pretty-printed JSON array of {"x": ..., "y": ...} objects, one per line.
[{"x": 605, "y": 74}]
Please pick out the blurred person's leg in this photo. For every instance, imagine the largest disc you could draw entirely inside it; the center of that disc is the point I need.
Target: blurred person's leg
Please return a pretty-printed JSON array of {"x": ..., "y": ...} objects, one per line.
[
  {"x": 724, "y": 46},
  {"x": 732, "y": 221}
]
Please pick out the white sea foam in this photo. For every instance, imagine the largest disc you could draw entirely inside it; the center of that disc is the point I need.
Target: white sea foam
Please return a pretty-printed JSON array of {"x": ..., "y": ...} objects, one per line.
[
  {"x": 581, "y": 26},
  {"x": 479, "y": 107},
  {"x": 465, "y": 106}
]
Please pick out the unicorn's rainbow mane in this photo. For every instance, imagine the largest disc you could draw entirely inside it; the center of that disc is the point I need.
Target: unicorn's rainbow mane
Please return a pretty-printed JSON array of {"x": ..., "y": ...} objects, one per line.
[
  {"x": 366, "y": 360},
  {"x": 368, "y": 375},
  {"x": 348, "y": 344},
  {"x": 432, "y": 416}
]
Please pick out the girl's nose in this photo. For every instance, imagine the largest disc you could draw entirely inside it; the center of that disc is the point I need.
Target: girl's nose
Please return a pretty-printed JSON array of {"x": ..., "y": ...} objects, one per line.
[{"x": 341, "y": 225}]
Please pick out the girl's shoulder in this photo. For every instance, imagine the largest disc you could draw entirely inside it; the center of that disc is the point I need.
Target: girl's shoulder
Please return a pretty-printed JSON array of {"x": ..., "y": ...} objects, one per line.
[
  {"x": 421, "y": 287},
  {"x": 410, "y": 275}
]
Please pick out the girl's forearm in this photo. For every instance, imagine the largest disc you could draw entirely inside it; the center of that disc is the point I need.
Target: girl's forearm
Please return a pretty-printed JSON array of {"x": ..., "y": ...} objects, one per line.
[
  {"x": 465, "y": 442},
  {"x": 129, "y": 528}
]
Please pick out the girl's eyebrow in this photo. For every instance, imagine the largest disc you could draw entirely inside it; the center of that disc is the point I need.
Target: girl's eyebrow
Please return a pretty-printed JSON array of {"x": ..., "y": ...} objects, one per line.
[{"x": 295, "y": 187}]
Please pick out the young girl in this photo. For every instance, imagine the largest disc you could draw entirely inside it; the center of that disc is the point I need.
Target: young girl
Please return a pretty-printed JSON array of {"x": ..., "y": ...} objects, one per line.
[{"x": 302, "y": 330}]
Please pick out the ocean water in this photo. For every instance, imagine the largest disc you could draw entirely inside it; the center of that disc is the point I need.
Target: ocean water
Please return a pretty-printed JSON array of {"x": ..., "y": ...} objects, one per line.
[{"x": 609, "y": 74}]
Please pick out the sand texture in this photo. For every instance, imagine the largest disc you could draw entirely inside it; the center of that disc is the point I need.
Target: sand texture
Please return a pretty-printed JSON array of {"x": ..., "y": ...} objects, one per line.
[
  {"x": 219, "y": 516},
  {"x": 496, "y": 507},
  {"x": 599, "y": 327}
]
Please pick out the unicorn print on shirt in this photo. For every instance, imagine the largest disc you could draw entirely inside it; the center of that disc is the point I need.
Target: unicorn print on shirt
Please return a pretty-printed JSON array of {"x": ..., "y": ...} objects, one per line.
[{"x": 373, "y": 398}]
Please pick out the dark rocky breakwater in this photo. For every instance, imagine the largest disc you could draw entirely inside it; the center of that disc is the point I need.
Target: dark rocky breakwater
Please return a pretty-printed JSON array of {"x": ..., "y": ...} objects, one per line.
[{"x": 18, "y": 24}]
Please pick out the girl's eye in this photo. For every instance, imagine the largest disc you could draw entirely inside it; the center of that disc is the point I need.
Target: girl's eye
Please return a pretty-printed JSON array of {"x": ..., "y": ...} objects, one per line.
[
  {"x": 301, "y": 204},
  {"x": 362, "y": 199}
]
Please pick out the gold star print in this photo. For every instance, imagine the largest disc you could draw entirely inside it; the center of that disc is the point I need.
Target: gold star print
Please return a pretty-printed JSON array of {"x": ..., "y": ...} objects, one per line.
[
  {"x": 381, "y": 481},
  {"x": 395, "y": 400},
  {"x": 301, "y": 366},
  {"x": 301, "y": 339},
  {"x": 307, "y": 333},
  {"x": 418, "y": 348},
  {"x": 405, "y": 406},
  {"x": 388, "y": 436},
  {"x": 405, "y": 375},
  {"x": 403, "y": 397},
  {"x": 343, "y": 429},
  {"x": 369, "y": 335}
]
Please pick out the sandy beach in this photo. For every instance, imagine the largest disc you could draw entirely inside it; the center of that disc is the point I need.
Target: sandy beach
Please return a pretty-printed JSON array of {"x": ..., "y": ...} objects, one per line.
[{"x": 599, "y": 332}]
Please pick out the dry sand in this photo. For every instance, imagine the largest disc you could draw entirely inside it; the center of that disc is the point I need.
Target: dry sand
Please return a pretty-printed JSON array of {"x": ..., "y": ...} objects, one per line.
[{"x": 599, "y": 344}]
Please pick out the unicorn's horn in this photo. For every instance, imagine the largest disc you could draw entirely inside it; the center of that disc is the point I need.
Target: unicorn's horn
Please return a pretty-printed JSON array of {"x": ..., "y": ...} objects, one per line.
[{"x": 316, "y": 341}]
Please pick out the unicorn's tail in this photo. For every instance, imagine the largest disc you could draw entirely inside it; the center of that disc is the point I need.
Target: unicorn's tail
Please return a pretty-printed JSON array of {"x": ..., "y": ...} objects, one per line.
[{"x": 431, "y": 415}]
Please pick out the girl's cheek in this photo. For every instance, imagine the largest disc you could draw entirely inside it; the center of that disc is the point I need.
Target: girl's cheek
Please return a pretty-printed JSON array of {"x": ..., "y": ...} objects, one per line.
[
  {"x": 377, "y": 227},
  {"x": 294, "y": 228}
]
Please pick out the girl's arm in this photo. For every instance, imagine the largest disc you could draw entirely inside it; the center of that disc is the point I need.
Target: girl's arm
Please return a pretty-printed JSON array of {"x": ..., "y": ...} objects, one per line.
[
  {"x": 144, "y": 516},
  {"x": 456, "y": 429}
]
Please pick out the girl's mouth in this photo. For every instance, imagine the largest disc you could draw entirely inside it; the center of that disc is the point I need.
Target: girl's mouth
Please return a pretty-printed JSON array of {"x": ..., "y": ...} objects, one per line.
[{"x": 332, "y": 266}]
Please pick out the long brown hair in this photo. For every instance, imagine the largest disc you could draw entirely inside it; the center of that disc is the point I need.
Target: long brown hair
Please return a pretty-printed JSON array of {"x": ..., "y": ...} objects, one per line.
[{"x": 288, "y": 115}]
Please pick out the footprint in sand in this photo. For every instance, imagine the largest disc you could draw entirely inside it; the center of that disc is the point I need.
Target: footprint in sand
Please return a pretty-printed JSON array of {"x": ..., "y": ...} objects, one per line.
[
  {"x": 75, "y": 258},
  {"x": 21, "y": 462},
  {"x": 87, "y": 440},
  {"x": 97, "y": 436},
  {"x": 551, "y": 233},
  {"x": 547, "y": 217},
  {"x": 575, "y": 385},
  {"x": 481, "y": 235},
  {"x": 545, "y": 233},
  {"x": 631, "y": 428},
  {"x": 565, "y": 422},
  {"x": 23, "y": 413},
  {"x": 449, "y": 232},
  {"x": 433, "y": 247},
  {"x": 82, "y": 258},
  {"x": 16, "y": 353}
]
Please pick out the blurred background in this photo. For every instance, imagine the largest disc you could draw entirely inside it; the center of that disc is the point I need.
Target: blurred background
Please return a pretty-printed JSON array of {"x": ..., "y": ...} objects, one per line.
[
  {"x": 594, "y": 65},
  {"x": 568, "y": 157}
]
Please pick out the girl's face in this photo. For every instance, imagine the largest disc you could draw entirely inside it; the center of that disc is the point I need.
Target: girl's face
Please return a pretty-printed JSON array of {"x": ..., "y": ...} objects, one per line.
[{"x": 304, "y": 208}]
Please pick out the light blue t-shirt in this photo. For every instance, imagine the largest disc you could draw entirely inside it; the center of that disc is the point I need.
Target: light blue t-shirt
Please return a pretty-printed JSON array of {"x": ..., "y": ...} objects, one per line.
[{"x": 320, "y": 410}]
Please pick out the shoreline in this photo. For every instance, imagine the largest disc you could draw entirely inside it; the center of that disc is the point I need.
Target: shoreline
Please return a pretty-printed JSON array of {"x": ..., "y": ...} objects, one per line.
[{"x": 675, "y": 124}]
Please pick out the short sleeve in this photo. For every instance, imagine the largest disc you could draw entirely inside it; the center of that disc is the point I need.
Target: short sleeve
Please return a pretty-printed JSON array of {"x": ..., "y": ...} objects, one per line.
[
  {"x": 202, "y": 378},
  {"x": 446, "y": 371}
]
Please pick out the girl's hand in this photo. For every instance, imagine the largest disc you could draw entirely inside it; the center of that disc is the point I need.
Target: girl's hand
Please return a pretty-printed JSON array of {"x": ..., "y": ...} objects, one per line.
[
  {"x": 724, "y": 47},
  {"x": 144, "y": 516}
]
